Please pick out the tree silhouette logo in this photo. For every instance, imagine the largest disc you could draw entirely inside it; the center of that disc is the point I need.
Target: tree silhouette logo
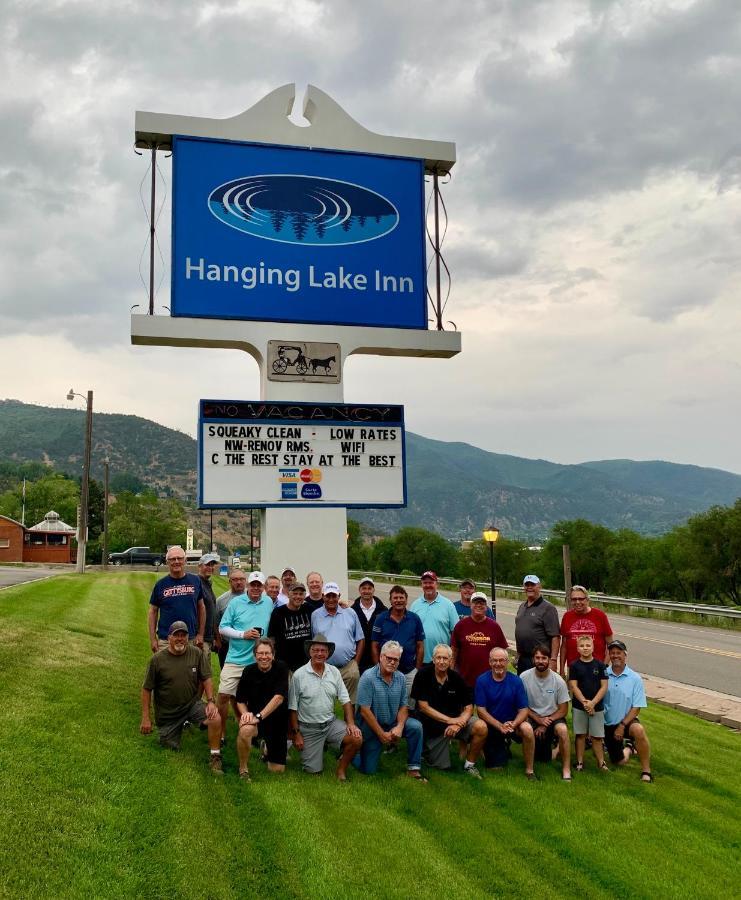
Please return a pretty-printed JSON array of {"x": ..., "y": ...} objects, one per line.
[{"x": 303, "y": 209}]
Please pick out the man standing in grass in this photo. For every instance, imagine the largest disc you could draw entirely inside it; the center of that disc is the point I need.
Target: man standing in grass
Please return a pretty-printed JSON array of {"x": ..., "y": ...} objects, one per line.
[
  {"x": 473, "y": 639},
  {"x": 384, "y": 711},
  {"x": 402, "y": 625},
  {"x": 272, "y": 589},
  {"x": 367, "y": 608},
  {"x": 501, "y": 702},
  {"x": 438, "y": 615},
  {"x": 246, "y": 619},
  {"x": 583, "y": 619},
  {"x": 625, "y": 698},
  {"x": 467, "y": 588},
  {"x": 342, "y": 627},
  {"x": 536, "y": 622},
  {"x": 206, "y": 565},
  {"x": 178, "y": 597},
  {"x": 445, "y": 710},
  {"x": 174, "y": 679},
  {"x": 290, "y": 628},
  {"x": 548, "y": 701},
  {"x": 237, "y": 587},
  {"x": 315, "y": 598},
  {"x": 312, "y": 694}
]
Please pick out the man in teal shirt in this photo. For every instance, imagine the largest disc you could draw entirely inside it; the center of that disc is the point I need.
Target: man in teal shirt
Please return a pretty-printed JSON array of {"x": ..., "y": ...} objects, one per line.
[
  {"x": 245, "y": 619},
  {"x": 438, "y": 614}
]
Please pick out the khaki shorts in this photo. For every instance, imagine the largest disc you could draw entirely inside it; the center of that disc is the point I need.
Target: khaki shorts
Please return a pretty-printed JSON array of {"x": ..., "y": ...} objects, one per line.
[
  {"x": 583, "y": 723},
  {"x": 229, "y": 679},
  {"x": 315, "y": 737}
]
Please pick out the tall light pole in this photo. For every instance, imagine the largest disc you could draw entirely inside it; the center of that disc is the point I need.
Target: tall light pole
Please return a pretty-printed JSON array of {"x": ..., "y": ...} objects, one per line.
[
  {"x": 85, "y": 485},
  {"x": 106, "y": 463},
  {"x": 491, "y": 536}
]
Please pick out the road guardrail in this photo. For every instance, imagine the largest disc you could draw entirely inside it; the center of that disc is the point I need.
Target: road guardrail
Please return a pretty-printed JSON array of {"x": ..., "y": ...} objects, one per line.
[{"x": 698, "y": 609}]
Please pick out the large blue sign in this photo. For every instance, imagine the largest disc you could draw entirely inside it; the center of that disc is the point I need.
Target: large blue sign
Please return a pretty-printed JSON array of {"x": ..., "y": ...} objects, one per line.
[{"x": 293, "y": 235}]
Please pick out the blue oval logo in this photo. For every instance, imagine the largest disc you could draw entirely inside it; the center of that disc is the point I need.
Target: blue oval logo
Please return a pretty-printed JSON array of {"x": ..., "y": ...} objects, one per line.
[
  {"x": 311, "y": 492},
  {"x": 303, "y": 209}
]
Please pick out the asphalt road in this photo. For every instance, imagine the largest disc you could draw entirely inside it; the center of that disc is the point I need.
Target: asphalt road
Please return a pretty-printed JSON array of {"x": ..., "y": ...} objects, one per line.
[
  {"x": 691, "y": 654},
  {"x": 10, "y": 575}
]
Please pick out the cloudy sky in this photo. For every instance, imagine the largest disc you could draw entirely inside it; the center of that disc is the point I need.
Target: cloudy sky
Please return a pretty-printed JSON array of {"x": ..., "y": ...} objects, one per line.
[{"x": 595, "y": 209}]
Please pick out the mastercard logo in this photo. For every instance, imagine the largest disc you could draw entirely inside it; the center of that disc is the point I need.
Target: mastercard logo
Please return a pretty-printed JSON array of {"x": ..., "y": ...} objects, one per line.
[{"x": 310, "y": 476}]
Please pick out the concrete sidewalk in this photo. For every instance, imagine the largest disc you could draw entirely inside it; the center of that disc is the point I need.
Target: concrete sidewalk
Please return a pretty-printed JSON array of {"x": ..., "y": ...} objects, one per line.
[{"x": 696, "y": 701}]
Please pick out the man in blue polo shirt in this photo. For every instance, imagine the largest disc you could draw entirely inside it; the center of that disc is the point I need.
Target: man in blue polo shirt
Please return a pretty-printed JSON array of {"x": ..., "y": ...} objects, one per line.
[
  {"x": 438, "y": 614},
  {"x": 402, "y": 625},
  {"x": 341, "y": 626},
  {"x": 501, "y": 701},
  {"x": 624, "y": 699},
  {"x": 244, "y": 621},
  {"x": 178, "y": 597},
  {"x": 384, "y": 714}
]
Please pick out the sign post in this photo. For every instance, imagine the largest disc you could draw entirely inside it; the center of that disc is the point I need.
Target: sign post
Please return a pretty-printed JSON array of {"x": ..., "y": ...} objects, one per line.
[{"x": 302, "y": 247}]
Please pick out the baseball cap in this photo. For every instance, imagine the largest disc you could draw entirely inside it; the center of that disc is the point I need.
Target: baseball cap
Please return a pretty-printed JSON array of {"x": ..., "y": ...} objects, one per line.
[
  {"x": 208, "y": 558},
  {"x": 298, "y": 586},
  {"x": 331, "y": 588},
  {"x": 619, "y": 644},
  {"x": 428, "y": 574},
  {"x": 479, "y": 595},
  {"x": 287, "y": 569},
  {"x": 468, "y": 581},
  {"x": 366, "y": 580},
  {"x": 531, "y": 579},
  {"x": 255, "y": 576},
  {"x": 177, "y": 626}
]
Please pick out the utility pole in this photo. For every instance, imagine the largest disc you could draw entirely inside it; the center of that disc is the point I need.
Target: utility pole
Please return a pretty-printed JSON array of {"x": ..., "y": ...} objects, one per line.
[
  {"x": 106, "y": 462},
  {"x": 85, "y": 484},
  {"x": 567, "y": 573}
]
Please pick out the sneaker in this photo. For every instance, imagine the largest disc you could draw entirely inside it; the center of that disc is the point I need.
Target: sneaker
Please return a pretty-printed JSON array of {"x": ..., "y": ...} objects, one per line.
[
  {"x": 263, "y": 751},
  {"x": 216, "y": 764},
  {"x": 473, "y": 772}
]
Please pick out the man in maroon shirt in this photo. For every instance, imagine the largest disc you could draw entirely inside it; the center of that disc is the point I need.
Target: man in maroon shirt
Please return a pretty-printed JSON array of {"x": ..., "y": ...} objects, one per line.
[
  {"x": 583, "y": 619},
  {"x": 473, "y": 638}
]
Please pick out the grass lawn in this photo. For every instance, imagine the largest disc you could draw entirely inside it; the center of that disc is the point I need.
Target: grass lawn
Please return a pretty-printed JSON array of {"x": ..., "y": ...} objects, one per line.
[{"x": 90, "y": 808}]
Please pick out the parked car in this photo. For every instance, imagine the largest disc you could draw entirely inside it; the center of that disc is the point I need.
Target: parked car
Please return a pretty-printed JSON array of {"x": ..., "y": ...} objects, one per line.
[{"x": 136, "y": 556}]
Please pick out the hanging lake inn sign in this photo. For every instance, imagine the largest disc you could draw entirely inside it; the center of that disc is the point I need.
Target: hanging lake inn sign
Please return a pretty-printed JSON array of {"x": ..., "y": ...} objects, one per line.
[{"x": 301, "y": 246}]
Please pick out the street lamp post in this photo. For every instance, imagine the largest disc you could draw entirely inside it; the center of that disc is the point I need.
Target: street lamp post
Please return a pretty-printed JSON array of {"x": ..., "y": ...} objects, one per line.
[
  {"x": 85, "y": 485},
  {"x": 491, "y": 536},
  {"x": 106, "y": 463}
]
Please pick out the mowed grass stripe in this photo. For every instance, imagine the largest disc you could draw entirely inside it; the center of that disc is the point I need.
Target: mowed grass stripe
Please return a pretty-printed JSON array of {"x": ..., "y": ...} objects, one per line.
[{"x": 91, "y": 808}]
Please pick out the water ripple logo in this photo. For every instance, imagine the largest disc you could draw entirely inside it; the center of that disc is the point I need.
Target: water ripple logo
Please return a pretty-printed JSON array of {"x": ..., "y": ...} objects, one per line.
[{"x": 303, "y": 209}]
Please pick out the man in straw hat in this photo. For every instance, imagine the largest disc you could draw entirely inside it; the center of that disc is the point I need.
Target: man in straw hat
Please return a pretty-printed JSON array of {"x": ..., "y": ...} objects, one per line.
[{"x": 312, "y": 723}]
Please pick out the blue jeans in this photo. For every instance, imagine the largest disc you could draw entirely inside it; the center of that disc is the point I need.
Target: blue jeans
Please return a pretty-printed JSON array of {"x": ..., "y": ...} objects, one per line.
[{"x": 370, "y": 753}]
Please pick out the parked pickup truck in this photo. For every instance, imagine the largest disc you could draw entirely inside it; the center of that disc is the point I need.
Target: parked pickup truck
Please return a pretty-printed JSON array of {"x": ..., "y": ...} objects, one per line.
[{"x": 136, "y": 556}]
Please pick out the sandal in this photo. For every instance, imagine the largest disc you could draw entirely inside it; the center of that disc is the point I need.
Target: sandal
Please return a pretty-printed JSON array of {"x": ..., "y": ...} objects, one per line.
[
  {"x": 580, "y": 767},
  {"x": 604, "y": 767},
  {"x": 646, "y": 777},
  {"x": 417, "y": 776}
]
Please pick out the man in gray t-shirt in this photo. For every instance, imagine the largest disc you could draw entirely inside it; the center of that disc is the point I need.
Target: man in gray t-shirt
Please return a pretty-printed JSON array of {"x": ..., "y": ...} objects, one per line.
[
  {"x": 536, "y": 622},
  {"x": 548, "y": 701}
]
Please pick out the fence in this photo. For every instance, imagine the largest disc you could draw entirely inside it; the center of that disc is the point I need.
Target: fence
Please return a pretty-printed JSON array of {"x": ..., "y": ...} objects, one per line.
[{"x": 729, "y": 612}]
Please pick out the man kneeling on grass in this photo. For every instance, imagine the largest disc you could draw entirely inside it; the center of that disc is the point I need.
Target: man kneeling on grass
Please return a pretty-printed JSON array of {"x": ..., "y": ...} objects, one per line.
[
  {"x": 262, "y": 693},
  {"x": 548, "y": 700},
  {"x": 311, "y": 698},
  {"x": 444, "y": 707},
  {"x": 383, "y": 704},
  {"x": 625, "y": 698},
  {"x": 175, "y": 677},
  {"x": 501, "y": 702}
]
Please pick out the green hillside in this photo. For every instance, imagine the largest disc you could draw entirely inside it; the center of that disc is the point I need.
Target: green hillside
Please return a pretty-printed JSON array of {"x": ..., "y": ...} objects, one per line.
[{"x": 453, "y": 488}]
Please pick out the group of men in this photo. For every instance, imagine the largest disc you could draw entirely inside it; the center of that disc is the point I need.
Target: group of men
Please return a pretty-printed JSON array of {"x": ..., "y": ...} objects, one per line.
[{"x": 428, "y": 673}]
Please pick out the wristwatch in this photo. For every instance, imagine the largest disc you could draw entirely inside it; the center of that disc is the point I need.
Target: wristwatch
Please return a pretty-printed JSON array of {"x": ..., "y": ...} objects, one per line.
[{"x": 258, "y": 716}]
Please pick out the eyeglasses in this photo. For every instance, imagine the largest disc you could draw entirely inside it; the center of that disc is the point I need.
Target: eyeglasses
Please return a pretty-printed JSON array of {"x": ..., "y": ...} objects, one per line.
[{"x": 391, "y": 659}]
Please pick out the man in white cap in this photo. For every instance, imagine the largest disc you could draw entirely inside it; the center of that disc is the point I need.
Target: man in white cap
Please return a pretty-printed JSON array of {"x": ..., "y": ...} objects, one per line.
[
  {"x": 245, "y": 620},
  {"x": 342, "y": 627},
  {"x": 367, "y": 608},
  {"x": 536, "y": 623},
  {"x": 206, "y": 565},
  {"x": 312, "y": 694}
]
